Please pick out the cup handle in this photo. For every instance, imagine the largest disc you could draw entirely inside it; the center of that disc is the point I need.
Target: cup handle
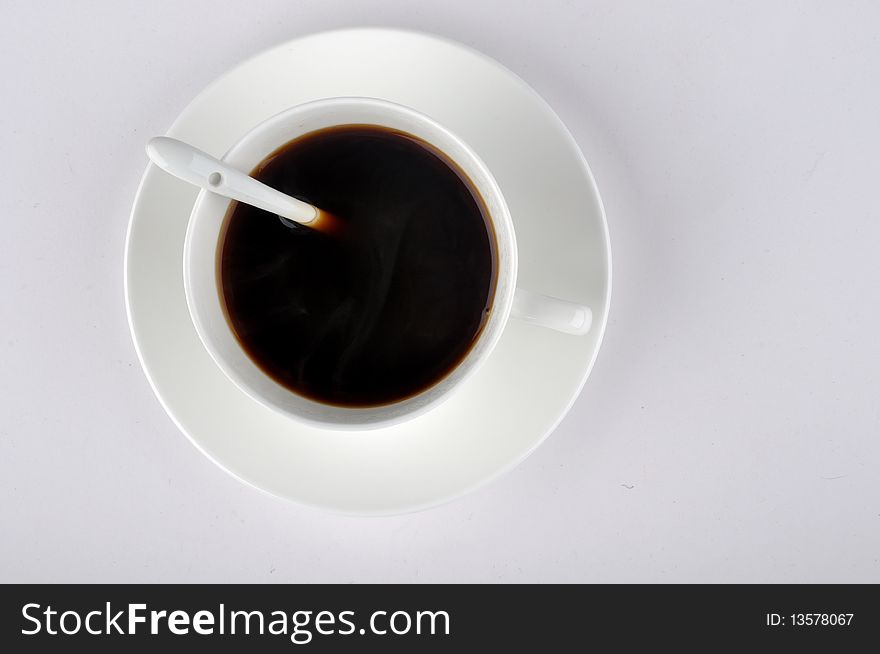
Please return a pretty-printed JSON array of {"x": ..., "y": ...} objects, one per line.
[{"x": 547, "y": 311}]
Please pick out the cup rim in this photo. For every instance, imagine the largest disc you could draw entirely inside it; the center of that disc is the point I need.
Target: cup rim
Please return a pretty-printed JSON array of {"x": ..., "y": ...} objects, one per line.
[{"x": 451, "y": 381}]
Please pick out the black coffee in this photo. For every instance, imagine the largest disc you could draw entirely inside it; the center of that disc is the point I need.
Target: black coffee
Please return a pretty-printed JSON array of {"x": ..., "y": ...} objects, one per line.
[{"x": 390, "y": 304}]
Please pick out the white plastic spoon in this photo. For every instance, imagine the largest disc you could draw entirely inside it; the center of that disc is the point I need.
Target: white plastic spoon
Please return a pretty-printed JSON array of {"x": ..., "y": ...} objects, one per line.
[{"x": 201, "y": 169}]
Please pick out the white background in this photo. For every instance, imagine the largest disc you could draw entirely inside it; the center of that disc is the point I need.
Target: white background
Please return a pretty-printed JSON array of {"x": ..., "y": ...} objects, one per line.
[{"x": 730, "y": 430}]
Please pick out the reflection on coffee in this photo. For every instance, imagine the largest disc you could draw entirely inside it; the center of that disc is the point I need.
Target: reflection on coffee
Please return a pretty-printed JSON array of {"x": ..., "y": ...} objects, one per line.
[{"x": 386, "y": 308}]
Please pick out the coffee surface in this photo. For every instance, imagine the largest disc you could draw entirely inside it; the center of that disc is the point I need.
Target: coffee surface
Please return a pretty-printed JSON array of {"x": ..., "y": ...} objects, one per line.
[{"x": 381, "y": 310}]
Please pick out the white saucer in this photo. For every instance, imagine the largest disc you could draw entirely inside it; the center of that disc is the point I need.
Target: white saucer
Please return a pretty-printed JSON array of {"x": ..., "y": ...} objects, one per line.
[{"x": 516, "y": 399}]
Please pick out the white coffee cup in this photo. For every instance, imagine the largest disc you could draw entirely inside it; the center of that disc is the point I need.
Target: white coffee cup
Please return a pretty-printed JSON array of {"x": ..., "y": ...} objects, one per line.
[{"x": 201, "y": 279}]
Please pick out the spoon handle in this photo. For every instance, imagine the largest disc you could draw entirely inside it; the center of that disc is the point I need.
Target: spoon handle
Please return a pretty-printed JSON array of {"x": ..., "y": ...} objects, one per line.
[{"x": 201, "y": 169}]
